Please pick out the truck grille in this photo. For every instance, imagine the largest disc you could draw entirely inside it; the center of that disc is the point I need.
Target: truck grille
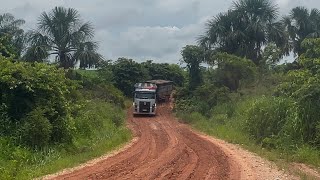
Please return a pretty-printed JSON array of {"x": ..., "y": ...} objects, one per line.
[{"x": 144, "y": 107}]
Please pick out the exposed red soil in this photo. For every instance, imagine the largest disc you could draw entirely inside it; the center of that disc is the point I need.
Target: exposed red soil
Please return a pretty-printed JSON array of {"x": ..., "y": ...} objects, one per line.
[{"x": 163, "y": 148}]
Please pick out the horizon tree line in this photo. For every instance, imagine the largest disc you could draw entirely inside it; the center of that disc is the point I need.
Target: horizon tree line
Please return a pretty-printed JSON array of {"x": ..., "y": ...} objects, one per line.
[{"x": 245, "y": 30}]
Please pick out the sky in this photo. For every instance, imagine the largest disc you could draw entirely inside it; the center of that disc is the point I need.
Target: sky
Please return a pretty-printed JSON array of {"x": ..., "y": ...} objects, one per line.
[{"x": 140, "y": 29}]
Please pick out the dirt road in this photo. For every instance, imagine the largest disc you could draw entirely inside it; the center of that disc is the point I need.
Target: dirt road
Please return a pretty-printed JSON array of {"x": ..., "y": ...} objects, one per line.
[{"x": 167, "y": 149}]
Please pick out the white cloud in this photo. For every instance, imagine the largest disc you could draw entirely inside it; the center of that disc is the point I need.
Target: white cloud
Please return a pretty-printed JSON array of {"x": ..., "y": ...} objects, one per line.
[
  {"x": 160, "y": 43},
  {"x": 282, "y": 3},
  {"x": 140, "y": 29}
]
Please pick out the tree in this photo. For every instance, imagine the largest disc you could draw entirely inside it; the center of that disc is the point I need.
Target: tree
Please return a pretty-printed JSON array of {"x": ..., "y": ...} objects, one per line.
[
  {"x": 232, "y": 69},
  {"x": 302, "y": 24},
  {"x": 193, "y": 56},
  {"x": 62, "y": 33},
  {"x": 245, "y": 29},
  {"x": 6, "y": 47},
  {"x": 126, "y": 73},
  {"x": 11, "y": 35},
  {"x": 165, "y": 71}
]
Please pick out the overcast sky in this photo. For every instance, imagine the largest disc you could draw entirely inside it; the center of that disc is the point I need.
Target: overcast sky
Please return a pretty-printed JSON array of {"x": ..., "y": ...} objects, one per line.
[{"x": 139, "y": 29}]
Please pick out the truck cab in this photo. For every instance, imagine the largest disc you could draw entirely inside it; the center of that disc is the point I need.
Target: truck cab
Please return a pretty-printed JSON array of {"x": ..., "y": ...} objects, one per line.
[{"x": 144, "y": 98}]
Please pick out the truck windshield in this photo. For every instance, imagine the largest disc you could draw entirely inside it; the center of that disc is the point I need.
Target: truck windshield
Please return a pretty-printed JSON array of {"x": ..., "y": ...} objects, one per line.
[{"x": 145, "y": 95}]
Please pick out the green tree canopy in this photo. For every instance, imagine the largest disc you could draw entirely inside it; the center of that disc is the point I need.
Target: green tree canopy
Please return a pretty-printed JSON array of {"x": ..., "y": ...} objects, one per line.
[
  {"x": 245, "y": 29},
  {"x": 11, "y": 35},
  {"x": 232, "y": 70},
  {"x": 126, "y": 73},
  {"x": 61, "y": 33},
  {"x": 302, "y": 24},
  {"x": 193, "y": 55},
  {"x": 165, "y": 71}
]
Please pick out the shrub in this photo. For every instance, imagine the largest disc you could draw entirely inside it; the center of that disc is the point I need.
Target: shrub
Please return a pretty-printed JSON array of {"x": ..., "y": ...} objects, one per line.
[
  {"x": 232, "y": 70},
  {"x": 96, "y": 86},
  {"x": 267, "y": 116},
  {"x": 219, "y": 118},
  {"x": 191, "y": 118},
  {"x": 6, "y": 126},
  {"x": 226, "y": 109},
  {"x": 36, "y": 129},
  {"x": 117, "y": 119},
  {"x": 27, "y": 87},
  {"x": 303, "y": 86},
  {"x": 93, "y": 118}
]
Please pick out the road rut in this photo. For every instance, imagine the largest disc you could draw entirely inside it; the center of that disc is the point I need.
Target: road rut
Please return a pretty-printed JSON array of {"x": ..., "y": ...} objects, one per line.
[{"x": 166, "y": 149}]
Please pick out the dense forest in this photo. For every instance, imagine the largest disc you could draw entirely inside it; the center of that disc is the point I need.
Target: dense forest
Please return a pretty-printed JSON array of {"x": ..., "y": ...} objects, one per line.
[{"x": 51, "y": 111}]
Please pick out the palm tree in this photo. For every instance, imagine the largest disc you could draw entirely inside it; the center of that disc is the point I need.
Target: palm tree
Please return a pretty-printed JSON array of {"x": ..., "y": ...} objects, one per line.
[
  {"x": 62, "y": 34},
  {"x": 245, "y": 29},
  {"x": 301, "y": 24},
  {"x": 10, "y": 29},
  {"x": 9, "y": 25}
]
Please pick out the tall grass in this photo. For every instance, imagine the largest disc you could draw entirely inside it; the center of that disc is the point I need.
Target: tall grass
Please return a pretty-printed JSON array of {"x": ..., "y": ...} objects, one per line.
[
  {"x": 260, "y": 124},
  {"x": 99, "y": 129}
]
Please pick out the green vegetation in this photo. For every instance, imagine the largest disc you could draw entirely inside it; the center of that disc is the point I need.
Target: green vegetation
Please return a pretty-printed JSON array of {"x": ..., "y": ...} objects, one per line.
[
  {"x": 193, "y": 56},
  {"x": 244, "y": 96},
  {"x": 52, "y": 118},
  {"x": 266, "y": 124},
  {"x": 99, "y": 130},
  {"x": 126, "y": 72},
  {"x": 71, "y": 42},
  {"x": 245, "y": 29},
  {"x": 301, "y": 24},
  {"x": 12, "y": 37}
]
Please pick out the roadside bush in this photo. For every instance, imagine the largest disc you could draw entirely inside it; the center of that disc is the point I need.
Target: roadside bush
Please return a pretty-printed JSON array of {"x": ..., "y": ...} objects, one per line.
[
  {"x": 192, "y": 117},
  {"x": 226, "y": 109},
  {"x": 204, "y": 98},
  {"x": 93, "y": 119},
  {"x": 12, "y": 159},
  {"x": 106, "y": 92},
  {"x": 267, "y": 116},
  {"x": 117, "y": 119},
  {"x": 233, "y": 70},
  {"x": 219, "y": 119},
  {"x": 96, "y": 86},
  {"x": 6, "y": 126},
  {"x": 27, "y": 87},
  {"x": 303, "y": 86},
  {"x": 36, "y": 129}
]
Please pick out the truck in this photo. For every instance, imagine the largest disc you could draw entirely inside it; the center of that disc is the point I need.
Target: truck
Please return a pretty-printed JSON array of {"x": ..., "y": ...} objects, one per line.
[
  {"x": 164, "y": 89},
  {"x": 147, "y": 94}
]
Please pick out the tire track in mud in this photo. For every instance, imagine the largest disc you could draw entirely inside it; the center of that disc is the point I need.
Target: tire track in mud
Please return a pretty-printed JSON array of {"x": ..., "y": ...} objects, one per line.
[{"x": 165, "y": 149}]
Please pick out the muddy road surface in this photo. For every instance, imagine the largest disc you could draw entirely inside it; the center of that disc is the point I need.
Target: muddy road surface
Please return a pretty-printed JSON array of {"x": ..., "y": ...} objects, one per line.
[{"x": 166, "y": 149}]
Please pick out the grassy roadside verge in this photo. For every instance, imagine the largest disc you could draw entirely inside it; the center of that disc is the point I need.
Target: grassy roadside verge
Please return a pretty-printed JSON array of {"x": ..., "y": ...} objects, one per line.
[
  {"x": 226, "y": 121},
  {"x": 104, "y": 121}
]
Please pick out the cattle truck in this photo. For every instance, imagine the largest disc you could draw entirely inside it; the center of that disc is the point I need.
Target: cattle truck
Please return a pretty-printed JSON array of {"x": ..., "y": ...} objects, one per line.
[{"x": 147, "y": 94}]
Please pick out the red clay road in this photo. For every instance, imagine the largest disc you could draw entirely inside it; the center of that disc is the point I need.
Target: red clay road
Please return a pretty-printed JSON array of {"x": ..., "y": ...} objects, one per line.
[{"x": 165, "y": 149}]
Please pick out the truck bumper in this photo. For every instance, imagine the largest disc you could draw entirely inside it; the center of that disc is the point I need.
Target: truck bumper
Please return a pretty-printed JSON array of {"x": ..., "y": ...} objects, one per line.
[
  {"x": 150, "y": 113},
  {"x": 136, "y": 112}
]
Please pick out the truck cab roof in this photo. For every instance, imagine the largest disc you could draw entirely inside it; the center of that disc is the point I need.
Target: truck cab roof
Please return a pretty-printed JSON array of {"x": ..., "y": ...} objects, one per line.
[{"x": 145, "y": 86}]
